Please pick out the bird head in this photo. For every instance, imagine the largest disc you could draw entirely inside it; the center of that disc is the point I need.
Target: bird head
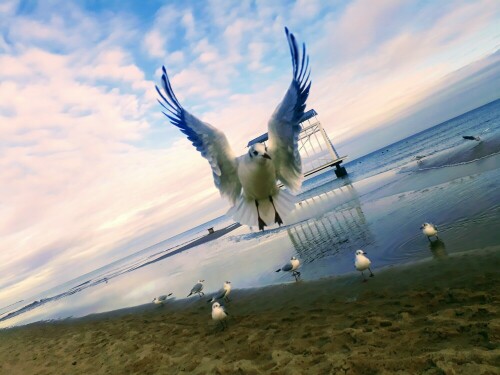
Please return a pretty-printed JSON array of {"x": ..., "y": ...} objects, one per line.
[
  {"x": 293, "y": 258},
  {"x": 215, "y": 305},
  {"x": 200, "y": 281},
  {"x": 424, "y": 225},
  {"x": 360, "y": 252},
  {"x": 258, "y": 152}
]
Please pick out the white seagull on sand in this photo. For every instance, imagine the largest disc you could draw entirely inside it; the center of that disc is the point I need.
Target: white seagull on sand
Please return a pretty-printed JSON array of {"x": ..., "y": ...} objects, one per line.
[
  {"x": 362, "y": 263},
  {"x": 223, "y": 293},
  {"x": 161, "y": 299},
  {"x": 250, "y": 181},
  {"x": 291, "y": 266},
  {"x": 430, "y": 230},
  {"x": 197, "y": 289},
  {"x": 219, "y": 314}
]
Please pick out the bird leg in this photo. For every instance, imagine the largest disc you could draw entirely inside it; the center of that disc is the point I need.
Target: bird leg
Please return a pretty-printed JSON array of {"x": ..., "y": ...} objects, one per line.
[
  {"x": 262, "y": 224},
  {"x": 364, "y": 278},
  {"x": 371, "y": 273},
  {"x": 277, "y": 217}
]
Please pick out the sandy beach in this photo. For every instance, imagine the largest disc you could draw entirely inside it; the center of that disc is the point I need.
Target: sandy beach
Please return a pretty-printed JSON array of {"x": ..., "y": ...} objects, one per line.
[{"x": 438, "y": 316}]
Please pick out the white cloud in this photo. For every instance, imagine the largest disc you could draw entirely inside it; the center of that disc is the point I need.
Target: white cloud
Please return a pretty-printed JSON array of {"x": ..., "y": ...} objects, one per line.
[{"x": 76, "y": 110}]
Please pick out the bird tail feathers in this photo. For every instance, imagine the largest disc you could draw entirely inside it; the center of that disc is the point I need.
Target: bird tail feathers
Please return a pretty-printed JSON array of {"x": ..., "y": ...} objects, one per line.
[{"x": 245, "y": 210}]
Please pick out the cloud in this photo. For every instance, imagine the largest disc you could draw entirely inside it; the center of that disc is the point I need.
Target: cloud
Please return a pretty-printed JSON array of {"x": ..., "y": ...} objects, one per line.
[{"x": 90, "y": 169}]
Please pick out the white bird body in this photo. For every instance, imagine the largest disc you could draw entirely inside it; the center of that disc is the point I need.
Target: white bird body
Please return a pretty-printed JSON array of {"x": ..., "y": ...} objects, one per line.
[
  {"x": 250, "y": 181},
  {"x": 429, "y": 230},
  {"x": 258, "y": 178},
  {"x": 362, "y": 263},
  {"x": 291, "y": 266},
  {"x": 218, "y": 312},
  {"x": 227, "y": 288},
  {"x": 295, "y": 263}
]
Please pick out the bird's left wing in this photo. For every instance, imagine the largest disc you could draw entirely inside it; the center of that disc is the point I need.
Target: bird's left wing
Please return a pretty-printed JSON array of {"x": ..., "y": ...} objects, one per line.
[
  {"x": 284, "y": 125},
  {"x": 209, "y": 141}
]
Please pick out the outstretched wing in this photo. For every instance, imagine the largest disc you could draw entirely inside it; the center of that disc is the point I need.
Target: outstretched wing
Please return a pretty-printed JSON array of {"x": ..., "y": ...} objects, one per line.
[
  {"x": 209, "y": 141},
  {"x": 284, "y": 125}
]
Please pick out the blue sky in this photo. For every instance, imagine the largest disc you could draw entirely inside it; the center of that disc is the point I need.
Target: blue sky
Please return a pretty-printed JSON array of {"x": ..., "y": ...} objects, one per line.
[{"x": 87, "y": 158}]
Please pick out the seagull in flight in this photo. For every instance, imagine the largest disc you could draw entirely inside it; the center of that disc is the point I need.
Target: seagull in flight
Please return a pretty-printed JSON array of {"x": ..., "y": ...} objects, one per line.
[{"x": 250, "y": 180}]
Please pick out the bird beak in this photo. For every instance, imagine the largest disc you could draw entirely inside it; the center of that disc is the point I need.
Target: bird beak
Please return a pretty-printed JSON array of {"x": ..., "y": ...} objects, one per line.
[
  {"x": 364, "y": 253},
  {"x": 266, "y": 156}
]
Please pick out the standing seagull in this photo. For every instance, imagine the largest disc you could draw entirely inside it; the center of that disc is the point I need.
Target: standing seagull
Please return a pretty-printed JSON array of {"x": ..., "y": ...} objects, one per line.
[
  {"x": 161, "y": 299},
  {"x": 219, "y": 314},
  {"x": 362, "y": 263},
  {"x": 429, "y": 230},
  {"x": 291, "y": 266},
  {"x": 197, "y": 289},
  {"x": 250, "y": 181},
  {"x": 223, "y": 293}
]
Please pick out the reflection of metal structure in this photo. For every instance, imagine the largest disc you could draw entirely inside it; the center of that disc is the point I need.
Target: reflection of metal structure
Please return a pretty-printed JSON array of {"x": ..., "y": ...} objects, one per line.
[
  {"x": 341, "y": 228},
  {"x": 316, "y": 149}
]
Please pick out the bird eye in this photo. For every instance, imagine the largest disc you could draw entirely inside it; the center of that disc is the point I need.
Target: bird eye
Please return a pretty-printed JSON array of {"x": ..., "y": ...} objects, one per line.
[{"x": 255, "y": 152}]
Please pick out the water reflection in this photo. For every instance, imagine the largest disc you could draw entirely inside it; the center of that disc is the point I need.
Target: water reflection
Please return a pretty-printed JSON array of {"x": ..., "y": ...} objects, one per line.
[
  {"x": 329, "y": 231},
  {"x": 438, "y": 249}
]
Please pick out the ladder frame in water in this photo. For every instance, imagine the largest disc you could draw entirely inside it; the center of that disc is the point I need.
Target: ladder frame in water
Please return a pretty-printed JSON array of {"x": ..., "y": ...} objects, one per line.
[{"x": 310, "y": 128}]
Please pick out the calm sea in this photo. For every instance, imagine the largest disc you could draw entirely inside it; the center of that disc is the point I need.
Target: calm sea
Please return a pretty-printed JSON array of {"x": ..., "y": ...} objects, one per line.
[{"x": 379, "y": 208}]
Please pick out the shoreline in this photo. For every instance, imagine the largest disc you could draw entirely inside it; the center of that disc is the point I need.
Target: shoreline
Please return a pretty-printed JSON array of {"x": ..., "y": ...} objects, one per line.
[{"x": 449, "y": 314}]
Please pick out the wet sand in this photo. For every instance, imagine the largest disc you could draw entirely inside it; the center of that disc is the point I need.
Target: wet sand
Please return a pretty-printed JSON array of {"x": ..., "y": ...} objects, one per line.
[{"x": 439, "y": 316}]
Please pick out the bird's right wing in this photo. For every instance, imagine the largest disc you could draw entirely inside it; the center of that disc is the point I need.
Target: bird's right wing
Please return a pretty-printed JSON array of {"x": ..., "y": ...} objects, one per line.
[{"x": 209, "y": 141}]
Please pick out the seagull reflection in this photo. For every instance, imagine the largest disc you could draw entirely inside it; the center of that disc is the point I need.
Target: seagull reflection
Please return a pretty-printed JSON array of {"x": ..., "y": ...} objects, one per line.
[{"x": 438, "y": 249}]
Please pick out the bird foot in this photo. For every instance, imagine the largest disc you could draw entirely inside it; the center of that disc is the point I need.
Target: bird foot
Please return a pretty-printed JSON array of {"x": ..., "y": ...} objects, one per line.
[
  {"x": 262, "y": 224},
  {"x": 277, "y": 218}
]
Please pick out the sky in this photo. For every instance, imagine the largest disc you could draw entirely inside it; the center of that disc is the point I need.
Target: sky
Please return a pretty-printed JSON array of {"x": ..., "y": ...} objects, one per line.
[{"x": 90, "y": 169}]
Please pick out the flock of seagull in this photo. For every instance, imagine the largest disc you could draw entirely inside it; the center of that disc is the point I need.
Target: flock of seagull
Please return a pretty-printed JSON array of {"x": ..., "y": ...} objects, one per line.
[
  {"x": 219, "y": 313},
  {"x": 250, "y": 180}
]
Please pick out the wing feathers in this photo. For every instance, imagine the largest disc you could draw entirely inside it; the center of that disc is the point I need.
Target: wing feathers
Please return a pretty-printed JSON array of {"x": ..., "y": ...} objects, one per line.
[
  {"x": 284, "y": 125},
  {"x": 210, "y": 142}
]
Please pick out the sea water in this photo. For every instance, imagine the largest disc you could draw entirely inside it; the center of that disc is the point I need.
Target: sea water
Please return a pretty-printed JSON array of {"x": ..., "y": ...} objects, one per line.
[{"x": 379, "y": 207}]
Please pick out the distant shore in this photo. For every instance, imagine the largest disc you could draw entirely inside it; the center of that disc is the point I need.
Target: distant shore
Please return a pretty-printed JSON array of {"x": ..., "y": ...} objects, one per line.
[{"x": 432, "y": 317}]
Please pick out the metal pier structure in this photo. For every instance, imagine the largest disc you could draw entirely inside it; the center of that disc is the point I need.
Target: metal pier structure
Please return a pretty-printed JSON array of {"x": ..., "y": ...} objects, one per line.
[{"x": 316, "y": 150}]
